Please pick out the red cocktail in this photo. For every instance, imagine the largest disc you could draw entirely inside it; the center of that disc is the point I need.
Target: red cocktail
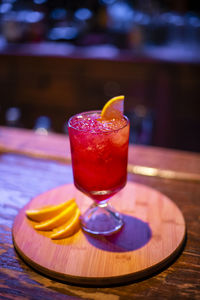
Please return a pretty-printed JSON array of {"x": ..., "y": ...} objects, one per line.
[{"x": 99, "y": 152}]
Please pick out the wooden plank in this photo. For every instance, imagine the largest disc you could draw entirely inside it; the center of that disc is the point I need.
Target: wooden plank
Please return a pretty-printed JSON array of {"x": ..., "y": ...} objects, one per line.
[{"x": 23, "y": 178}]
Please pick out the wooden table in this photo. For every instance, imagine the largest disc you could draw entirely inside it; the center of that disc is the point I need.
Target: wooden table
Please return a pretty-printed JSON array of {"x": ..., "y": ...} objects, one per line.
[{"x": 31, "y": 164}]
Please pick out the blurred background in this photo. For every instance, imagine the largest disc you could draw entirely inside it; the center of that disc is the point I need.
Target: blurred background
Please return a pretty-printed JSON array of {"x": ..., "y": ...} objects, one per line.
[{"x": 58, "y": 58}]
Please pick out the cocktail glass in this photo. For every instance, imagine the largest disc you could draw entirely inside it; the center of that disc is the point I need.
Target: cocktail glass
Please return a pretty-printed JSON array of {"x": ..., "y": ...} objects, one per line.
[{"x": 99, "y": 151}]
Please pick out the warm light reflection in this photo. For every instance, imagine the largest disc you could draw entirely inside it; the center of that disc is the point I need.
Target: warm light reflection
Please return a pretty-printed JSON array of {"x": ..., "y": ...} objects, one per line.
[
  {"x": 144, "y": 170},
  {"x": 162, "y": 173}
]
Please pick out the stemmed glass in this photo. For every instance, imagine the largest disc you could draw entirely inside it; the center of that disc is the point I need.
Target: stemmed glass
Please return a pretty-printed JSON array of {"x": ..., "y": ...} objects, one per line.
[{"x": 99, "y": 151}]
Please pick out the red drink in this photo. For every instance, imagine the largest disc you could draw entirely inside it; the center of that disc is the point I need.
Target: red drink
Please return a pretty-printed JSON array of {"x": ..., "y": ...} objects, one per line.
[{"x": 99, "y": 154}]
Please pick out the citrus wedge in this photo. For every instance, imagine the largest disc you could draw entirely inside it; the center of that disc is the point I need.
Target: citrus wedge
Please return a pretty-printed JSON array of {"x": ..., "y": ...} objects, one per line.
[
  {"x": 113, "y": 109},
  {"x": 46, "y": 213},
  {"x": 59, "y": 219},
  {"x": 71, "y": 227}
]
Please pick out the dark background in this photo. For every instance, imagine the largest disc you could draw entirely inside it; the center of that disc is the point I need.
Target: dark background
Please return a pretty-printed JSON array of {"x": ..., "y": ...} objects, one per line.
[{"x": 58, "y": 58}]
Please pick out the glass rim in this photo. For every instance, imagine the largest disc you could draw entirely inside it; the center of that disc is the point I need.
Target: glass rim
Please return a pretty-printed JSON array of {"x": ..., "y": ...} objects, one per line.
[{"x": 91, "y": 112}]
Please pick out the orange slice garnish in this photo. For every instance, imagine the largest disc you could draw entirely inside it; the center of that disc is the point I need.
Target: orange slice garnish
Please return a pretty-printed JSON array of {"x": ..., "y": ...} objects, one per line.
[
  {"x": 69, "y": 229},
  {"x": 59, "y": 219},
  {"x": 45, "y": 213},
  {"x": 113, "y": 109}
]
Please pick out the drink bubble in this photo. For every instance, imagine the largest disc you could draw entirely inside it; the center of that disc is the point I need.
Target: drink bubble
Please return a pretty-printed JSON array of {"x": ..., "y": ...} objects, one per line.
[{"x": 92, "y": 123}]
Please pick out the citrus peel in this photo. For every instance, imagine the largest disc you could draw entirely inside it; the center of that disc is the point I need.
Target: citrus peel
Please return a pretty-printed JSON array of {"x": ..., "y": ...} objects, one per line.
[
  {"x": 58, "y": 220},
  {"x": 113, "y": 109},
  {"x": 70, "y": 228},
  {"x": 61, "y": 220},
  {"x": 46, "y": 213}
]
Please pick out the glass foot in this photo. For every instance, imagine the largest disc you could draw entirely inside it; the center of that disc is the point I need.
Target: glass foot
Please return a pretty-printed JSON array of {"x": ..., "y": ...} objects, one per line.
[{"x": 101, "y": 220}]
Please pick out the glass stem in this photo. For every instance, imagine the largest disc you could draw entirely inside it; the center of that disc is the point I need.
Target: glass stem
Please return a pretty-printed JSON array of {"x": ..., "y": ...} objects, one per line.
[{"x": 102, "y": 205}]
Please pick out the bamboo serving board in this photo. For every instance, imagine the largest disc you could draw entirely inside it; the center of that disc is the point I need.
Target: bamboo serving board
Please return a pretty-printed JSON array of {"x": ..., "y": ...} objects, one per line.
[{"x": 152, "y": 236}]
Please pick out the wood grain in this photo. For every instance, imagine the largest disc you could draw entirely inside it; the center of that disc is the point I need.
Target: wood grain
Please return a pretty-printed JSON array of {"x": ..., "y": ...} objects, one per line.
[
  {"x": 43, "y": 147},
  {"x": 23, "y": 178},
  {"x": 153, "y": 234}
]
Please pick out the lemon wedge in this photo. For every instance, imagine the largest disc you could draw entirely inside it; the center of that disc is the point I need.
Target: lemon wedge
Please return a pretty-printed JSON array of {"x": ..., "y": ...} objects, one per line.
[
  {"x": 70, "y": 228},
  {"x": 113, "y": 109},
  {"x": 59, "y": 219},
  {"x": 46, "y": 213}
]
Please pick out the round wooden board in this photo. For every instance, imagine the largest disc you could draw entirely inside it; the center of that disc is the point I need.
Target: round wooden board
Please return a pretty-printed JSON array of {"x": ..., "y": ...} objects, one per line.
[{"x": 153, "y": 235}]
